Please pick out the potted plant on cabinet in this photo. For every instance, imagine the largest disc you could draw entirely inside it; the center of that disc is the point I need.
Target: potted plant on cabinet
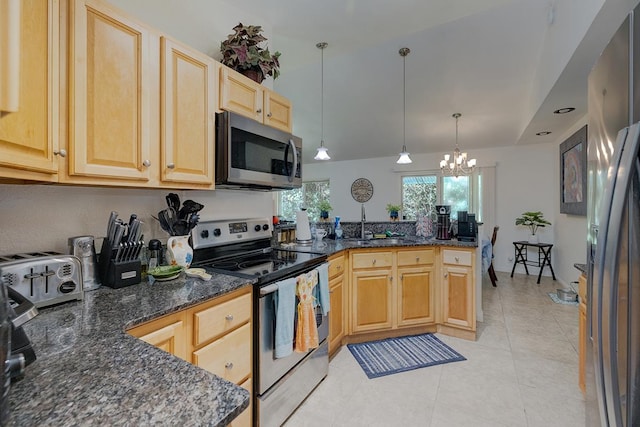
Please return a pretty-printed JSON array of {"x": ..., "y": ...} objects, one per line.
[
  {"x": 324, "y": 207},
  {"x": 533, "y": 220},
  {"x": 393, "y": 211},
  {"x": 241, "y": 51}
]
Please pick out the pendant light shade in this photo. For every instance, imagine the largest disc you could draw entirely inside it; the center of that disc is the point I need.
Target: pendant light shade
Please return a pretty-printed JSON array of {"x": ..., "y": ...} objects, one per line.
[
  {"x": 404, "y": 154},
  {"x": 322, "y": 153}
]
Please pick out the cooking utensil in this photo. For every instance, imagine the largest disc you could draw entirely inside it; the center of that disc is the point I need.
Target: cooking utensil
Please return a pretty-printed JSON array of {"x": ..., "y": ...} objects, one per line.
[
  {"x": 173, "y": 201},
  {"x": 189, "y": 207}
]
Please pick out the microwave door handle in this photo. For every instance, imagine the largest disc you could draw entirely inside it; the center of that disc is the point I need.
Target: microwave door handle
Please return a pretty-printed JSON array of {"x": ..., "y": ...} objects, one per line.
[{"x": 295, "y": 160}]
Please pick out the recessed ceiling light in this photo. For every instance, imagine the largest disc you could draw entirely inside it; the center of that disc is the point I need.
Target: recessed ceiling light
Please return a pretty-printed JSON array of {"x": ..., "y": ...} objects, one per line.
[
  {"x": 564, "y": 110},
  {"x": 543, "y": 133}
]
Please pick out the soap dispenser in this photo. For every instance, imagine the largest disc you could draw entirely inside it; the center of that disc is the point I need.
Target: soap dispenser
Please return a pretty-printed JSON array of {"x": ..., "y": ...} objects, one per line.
[{"x": 338, "y": 228}]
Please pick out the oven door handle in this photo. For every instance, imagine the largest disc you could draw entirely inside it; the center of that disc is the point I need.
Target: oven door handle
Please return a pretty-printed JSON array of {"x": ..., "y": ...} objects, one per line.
[{"x": 269, "y": 289}]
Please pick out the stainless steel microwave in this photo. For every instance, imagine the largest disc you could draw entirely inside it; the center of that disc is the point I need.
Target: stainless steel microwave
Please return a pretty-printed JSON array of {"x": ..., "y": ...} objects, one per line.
[{"x": 251, "y": 155}]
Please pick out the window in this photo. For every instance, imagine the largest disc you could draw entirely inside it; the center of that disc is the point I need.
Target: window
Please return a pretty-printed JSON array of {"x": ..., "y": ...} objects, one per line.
[
  {"x": 308, "y": 196},
  {"x": 421, "y": 193}
]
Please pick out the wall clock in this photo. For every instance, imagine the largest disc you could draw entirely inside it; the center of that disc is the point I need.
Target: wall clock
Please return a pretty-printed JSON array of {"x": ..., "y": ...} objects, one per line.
[{"x": 361, "y": 190}]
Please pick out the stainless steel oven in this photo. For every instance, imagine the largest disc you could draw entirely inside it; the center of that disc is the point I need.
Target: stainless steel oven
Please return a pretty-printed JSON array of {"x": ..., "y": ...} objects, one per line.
[
  {"x": 284, "y": 383},
  {"x": 252, "y": 155},
  {"x": 243, "y": 248}
]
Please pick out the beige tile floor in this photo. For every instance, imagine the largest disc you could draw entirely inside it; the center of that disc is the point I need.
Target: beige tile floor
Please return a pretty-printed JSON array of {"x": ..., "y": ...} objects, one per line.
[{"x": 521, "y": 371}]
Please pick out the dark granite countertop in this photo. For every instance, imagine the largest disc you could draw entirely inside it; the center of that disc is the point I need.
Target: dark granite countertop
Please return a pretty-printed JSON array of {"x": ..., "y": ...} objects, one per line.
[
  {"x": 581, "y": 267},
  {"x": 89, "y": 371},
  {"x": 330, "y": 247}
]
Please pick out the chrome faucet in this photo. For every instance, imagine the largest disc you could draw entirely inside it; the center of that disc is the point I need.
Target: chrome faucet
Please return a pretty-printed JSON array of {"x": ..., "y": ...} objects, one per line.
[{"x": 363, "y": 218}]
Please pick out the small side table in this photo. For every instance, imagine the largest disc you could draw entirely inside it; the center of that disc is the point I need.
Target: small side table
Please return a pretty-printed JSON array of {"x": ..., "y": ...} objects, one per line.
[{"x": 544, "y": 257}]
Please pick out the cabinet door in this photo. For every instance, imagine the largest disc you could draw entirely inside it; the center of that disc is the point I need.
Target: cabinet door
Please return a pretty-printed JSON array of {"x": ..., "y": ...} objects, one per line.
[
  {"x": 582, "y": 342},
  {"x": 228, "y": 357},
  {"x": 416, "y": 304},
  {"x": 240, "y": 94},
  {"x": 167, "y": 333},
  {"x": 372, "y": 296},
  {"x": 336, "y": 316},
  {"x": 458, "y": 296},
  {"x": 244, "y": 419},
  {"x": 29, "y": 136},
  {"x": 188, "y": 104},
  {"x": 277, "y": 111},
  {"x": 112, "y": 79}
]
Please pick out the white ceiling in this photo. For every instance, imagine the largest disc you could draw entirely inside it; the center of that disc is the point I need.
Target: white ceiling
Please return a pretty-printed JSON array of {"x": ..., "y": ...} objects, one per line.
[{"x": 504, "y": 64}]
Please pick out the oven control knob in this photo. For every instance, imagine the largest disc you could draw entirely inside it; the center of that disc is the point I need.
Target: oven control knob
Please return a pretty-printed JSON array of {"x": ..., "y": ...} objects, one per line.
[
  {"x": 67, "y": 287},
  {"x": 257, "y": 227},
  {"x": 265, "y": 227},
  {"x": 204, "y": 234},
  {"x": 217, "y": 232}
]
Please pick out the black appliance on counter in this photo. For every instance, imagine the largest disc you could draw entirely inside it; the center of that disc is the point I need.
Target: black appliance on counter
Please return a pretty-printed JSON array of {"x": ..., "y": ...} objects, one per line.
[
  {"x": 443, "y": 213},
  {"x": 254, "y": 156},
  {"x": 243, "y": 248},
  {"x": 15, "y": 348},
  {"x": 467, "y": 227}
]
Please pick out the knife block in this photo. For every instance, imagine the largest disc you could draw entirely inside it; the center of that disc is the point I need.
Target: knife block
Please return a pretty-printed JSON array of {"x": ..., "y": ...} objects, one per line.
[{"x": 117, "y": 274}]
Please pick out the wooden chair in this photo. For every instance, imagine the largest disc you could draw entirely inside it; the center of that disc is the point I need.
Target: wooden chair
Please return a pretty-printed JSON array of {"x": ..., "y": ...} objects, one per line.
[{"x": 492, "y": 273}]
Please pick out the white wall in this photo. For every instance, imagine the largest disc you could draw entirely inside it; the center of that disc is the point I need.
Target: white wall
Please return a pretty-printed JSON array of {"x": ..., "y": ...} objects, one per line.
[
  {"x": 526, "y": 180},
  {"x": 42, "y": 217}
]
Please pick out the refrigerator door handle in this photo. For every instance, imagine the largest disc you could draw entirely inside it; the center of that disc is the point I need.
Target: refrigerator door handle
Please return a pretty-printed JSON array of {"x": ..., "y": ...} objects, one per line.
[
  {"x": 601, "y": 288},
  {"x": 624, "y": 174}
]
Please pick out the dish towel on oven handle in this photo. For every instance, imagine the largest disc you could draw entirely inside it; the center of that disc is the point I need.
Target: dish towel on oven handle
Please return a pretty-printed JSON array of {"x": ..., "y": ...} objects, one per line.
[
  {"x": 306, "y": 329},
  {"x": 321, "y": 292},
  {"x": 285, "y": 301}
]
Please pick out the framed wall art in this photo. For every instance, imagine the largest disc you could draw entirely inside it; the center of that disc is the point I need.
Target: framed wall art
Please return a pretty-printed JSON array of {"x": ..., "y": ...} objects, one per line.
[{"x": 573, "y": 174}]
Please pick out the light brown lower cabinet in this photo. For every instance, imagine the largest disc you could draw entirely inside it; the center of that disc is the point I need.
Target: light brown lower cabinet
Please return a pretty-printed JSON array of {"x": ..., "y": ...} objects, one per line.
[
  {"x": 582, "y": 331},
  {"x": 337, "y": 300},
  {"x": 215, "y": 335}
]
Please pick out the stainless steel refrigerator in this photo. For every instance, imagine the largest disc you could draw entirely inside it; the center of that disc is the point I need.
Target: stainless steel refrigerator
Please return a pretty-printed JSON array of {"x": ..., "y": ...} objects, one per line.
[{"x": 613, "y": 274}]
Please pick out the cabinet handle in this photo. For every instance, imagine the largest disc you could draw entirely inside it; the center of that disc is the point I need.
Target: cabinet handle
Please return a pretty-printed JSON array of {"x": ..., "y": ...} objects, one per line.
[
  {"x": 171, "y": 166},
  {"x": 391, "y": 278},
  {"x": 330, "y": 292},
  {"x": 228, "y": 365},
  {"x": 259, "y": 110},
  {"x": 146, "y": 163},
  {"x": 338, "y": 267},
  {"x": 229, "y": 317},
  {"x": 446, "y": 274},
  {"x": 417, "y": 259},
  {"x": 61, "y": 153},
  {"x": 269, "y": 115},
  {"x": 457, "y": 259},
  {"x": 374, "y": 262}
]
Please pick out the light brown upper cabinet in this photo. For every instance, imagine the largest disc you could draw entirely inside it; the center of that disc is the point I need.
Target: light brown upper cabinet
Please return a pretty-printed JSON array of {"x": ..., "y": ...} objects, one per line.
[
  {"x": 188, "y": 100},
  {"x": 248, "y": 98},
  {"x": 29, "y": 136},
  {"x": 10, "y": 22},
  {"x": 114, "y": 74}
]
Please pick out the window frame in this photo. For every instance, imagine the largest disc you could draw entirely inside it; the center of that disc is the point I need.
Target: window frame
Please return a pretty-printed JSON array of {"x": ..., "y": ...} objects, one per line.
[{"x": 473, "y": 184}]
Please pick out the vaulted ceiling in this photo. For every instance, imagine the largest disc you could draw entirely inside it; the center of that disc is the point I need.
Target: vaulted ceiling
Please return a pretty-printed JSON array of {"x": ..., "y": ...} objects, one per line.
[{"x": 506, "y": 65}]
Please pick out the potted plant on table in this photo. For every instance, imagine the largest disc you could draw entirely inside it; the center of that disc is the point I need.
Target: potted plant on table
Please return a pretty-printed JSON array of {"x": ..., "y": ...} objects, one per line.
[
  {"x": 324, "y": 207},
  {"x": 393, "y": 211},
  {"x": 242, "y": 52},
  {"x": 533, "y": 220}
]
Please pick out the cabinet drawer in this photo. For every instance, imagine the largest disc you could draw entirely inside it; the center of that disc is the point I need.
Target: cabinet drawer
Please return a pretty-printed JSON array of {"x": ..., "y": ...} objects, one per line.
[
  {"x": 228, "y": 357},
  {"x": 423, "y": 256},
  {"x": 372, "y": 260},
  {"x": 450, "y": 256},
  {"x": 582, "y": 287},
  {"x": 212, "y": 322},
  {"x": 336, "y": 266}
]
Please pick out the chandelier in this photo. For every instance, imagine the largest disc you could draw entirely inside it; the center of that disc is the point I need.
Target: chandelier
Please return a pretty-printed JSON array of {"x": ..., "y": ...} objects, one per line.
[
  {"x": 322, "y": 153},
  {"x": 404, "y": 154},
  {"x": 458, "y": 165}
]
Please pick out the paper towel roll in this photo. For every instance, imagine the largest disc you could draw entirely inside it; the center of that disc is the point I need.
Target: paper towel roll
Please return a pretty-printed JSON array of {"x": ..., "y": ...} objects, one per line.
[{"x": 303, "y": 232}]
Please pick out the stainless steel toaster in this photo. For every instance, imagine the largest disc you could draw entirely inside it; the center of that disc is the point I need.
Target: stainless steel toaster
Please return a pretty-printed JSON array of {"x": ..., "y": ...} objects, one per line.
[{"x": 43, "y": 278}]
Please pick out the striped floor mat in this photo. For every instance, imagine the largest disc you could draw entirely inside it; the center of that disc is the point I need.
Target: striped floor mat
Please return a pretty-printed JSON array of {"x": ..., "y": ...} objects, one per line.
[{"x": 392, "y": 355}]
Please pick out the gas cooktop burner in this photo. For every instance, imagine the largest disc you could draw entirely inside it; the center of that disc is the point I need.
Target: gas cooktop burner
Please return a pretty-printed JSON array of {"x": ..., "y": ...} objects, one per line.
[{"x": 224, "y": 265}]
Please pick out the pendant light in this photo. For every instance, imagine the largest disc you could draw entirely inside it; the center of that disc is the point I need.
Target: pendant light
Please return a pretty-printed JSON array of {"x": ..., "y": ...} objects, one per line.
[
  {"x": 404, "y": 155},
  {"x": 459, "y": 164},
  {"x": 322, "y": 153}
]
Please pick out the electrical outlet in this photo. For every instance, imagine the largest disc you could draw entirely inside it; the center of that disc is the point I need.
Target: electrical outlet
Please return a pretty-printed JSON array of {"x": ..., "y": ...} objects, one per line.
[{"x": 510, "y": 259}]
